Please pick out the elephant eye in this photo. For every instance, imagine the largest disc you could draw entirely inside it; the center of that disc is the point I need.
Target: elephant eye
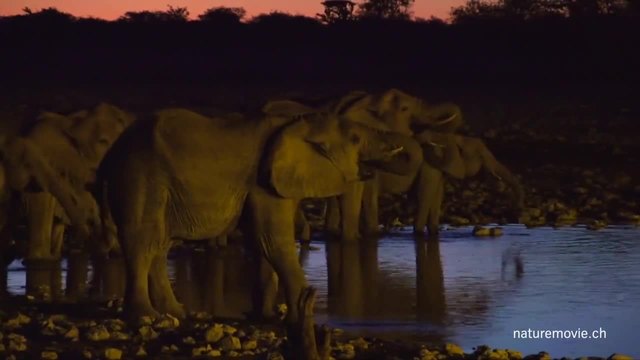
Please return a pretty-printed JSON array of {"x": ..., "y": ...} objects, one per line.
[{"x": 355, "y": 139}]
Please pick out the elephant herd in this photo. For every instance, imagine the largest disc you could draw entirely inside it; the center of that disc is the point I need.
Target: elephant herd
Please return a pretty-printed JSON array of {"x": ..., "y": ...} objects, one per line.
[{"x": 138, "y": 184}]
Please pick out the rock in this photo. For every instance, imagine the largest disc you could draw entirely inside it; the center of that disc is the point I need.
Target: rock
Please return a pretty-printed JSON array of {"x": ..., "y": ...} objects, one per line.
[
  {"x": 453, "y": 350},
  {"x": 514, "y": 355},
  {"x": 200, "y": 351},
  {"x": 483, "y": 231},
  {"x": 425, "y": 354},
  {"x": 72, "y": 334},
  {"x": 167, "y": 322},
  {"x": 346, "y": 352},
  {"x": 147, "y": 333},
  {"x": 359, "y": 343},
  {"x": 17, "y": 342},
  {"x": 619, "y": 357},
  {"x": 228, "y": 329},
  {"x": 169, "y": 349},
  {"x": 141, "y": 352},
  {"x": 98, "y": 333},
  {"x": 119, "y": 335},
  {"x": 112, "y": 354},
  {"x": 250, "y": 344},
  {"x": 2, "y": 348},
  {"x": 115, "y": 324},
  {"x": 189, "y": 340},
  {"x": 145, "y": 320},
  {"x": 17, "y": 321},
  {"x": 87, "y": 354},
  {"x": 214, "y": 333},
  {"x": 49, "y": 355},
  {"x": 229, "y": 343},
  {"x": 214, "y": 353}
]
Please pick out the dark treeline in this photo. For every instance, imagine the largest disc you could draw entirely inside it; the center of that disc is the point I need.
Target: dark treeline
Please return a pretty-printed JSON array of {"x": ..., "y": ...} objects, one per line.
[{"x": 53, "y": 47}]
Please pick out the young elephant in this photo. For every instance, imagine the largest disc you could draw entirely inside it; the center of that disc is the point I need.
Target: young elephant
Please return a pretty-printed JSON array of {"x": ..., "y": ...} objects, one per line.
[
  {"x": 181, "y": 175},
  {"x": 74, "y": 146}
]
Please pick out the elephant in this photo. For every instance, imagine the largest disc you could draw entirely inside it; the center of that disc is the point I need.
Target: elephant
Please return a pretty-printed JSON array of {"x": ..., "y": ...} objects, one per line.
[
  {"x": 182, "y": 175},
  {"x": 73, "y": 146},
  {"x": 444, "y": 152}
]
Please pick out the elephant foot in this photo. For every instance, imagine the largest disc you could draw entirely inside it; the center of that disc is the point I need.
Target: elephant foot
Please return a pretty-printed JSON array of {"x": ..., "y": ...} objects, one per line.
[
  {"x": 174, "y": 309},
  {"x": 139, "y": 313}
]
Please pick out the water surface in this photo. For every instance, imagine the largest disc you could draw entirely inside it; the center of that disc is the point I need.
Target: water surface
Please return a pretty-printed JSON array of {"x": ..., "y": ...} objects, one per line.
[{"x": 463, "y": 289}]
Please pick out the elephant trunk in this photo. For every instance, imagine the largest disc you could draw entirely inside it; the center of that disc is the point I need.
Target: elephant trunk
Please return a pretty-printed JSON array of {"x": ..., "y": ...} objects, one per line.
[
  {"x": 405, "y": 158},
  {"x": 444, "y": 117}
]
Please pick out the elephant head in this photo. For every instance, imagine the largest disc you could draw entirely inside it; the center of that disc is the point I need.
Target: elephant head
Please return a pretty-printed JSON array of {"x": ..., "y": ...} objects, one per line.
[
  {"x": 321, "y": 152},
  {"x": 91, "y": 132},
  {"x": 398, "y": 111}
]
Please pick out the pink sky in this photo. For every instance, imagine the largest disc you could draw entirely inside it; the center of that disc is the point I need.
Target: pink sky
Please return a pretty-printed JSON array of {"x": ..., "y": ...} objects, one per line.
[{"x": 111, "y": 9}]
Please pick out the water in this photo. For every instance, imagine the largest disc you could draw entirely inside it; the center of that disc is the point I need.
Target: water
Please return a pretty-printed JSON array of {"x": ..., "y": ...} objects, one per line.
[{"x": 463, "y": 289}]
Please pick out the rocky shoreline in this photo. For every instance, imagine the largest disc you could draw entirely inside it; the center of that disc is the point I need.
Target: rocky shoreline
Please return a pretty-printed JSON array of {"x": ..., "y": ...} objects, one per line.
[{"x": 30, "y": 331}]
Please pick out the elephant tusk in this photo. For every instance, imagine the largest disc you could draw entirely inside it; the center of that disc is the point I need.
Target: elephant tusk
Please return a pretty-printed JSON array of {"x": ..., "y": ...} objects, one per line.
[
  {"x": 450, "y": 118},
  {"x": 435, "y": 144},
  {"x": 397, "y": 150}
]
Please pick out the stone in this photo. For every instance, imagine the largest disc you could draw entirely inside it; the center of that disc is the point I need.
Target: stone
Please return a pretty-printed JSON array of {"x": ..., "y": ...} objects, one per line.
[
  {"x": 112, "y": 354},
  {"x": 229, "y": 343},
  {"x": 214, "y": 333}
]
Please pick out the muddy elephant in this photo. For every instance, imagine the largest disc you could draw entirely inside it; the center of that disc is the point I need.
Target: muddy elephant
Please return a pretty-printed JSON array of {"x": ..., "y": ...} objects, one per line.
[
  {"x": 445, "y": 152},
  {"x": 72, "y": 146},
  {"x": 180, "y": 175}
]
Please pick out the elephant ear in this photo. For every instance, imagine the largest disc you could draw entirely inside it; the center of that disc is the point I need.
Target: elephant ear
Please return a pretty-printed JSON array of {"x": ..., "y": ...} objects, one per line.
[
  {"x": 354, "y": 99},
  {"x": 63, "y": 122},
  {"x": 304, "y": 162},
  {"x": 386, "y": 102},
  {"x": 287, "y": 108}
]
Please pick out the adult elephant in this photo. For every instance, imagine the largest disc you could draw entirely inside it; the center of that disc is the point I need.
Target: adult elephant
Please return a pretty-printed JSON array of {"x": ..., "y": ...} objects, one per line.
[
  {"x": 72, "y": 146},
  {"x": 181, "y": 175},
  {"x": 445, "y": 152}
]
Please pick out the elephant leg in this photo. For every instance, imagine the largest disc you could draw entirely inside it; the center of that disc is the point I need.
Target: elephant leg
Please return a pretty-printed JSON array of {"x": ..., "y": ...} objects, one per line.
[
  {"x": 162, "y": 295},
  {"x": 138, "y": 260},
  {"x": 350, "y": 208},
  {"x": 268, "y": 290},
  {"x": 332, "y": 218},
  {"x": 370, "y": 206},
  {"x": 273, "y": 227},
  {"x": 57, "y": 238},
  {"x": 430, "y": 190},
  {"x": 303, "y": 230},
  {"x": 41, "y": 207}
]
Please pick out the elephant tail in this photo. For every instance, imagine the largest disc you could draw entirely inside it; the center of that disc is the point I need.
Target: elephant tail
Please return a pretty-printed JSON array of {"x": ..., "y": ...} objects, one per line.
[{"x": 108, "y": 235}]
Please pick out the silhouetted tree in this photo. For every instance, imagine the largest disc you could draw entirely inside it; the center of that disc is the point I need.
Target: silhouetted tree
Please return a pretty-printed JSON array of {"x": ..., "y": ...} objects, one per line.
[
  {"x": 336, "y": 11},
  {"x": 386, "y": 9},
  {"x": 177, "y": 14},
  {"x": 530, "y": 9},
  {"x": 276, "y": 18},
  {"x": 223, "y": 15},
  {"x": 476, "y": 10}
]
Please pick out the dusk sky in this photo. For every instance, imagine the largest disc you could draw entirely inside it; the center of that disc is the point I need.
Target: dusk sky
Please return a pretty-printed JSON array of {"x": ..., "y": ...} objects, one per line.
[{"x": 111, "y": 9}]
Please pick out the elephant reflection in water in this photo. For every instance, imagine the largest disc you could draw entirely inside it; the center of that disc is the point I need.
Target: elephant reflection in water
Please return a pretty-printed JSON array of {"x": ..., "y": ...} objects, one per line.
[
  {"x": 213, "y": 281},
  {"x": 430, "y": 295},
  {"x": 355, "y": 283},
  {"x": 353, "y": 273}
]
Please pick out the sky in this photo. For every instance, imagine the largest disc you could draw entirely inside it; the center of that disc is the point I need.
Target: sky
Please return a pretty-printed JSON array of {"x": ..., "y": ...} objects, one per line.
[{"x": 111, "y": 9}]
